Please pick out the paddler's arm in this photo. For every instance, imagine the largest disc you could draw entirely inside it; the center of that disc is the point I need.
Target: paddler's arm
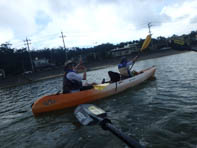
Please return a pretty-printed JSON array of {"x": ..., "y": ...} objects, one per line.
[
  {"x": 78, "y": 66},
  {"x": 131, "y": 62},
  {"x": 84, "y": 75},
  {"x": 134, "y": 59},
  {"x": 84, "y": 72}
]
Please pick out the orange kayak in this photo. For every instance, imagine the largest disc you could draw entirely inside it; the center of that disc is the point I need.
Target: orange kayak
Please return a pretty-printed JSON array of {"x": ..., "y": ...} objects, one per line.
[{"x": 61, "y": 101}]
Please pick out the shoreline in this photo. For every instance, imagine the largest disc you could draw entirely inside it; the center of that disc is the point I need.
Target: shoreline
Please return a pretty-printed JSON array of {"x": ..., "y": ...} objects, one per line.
[{"x": 58, "y": 72}]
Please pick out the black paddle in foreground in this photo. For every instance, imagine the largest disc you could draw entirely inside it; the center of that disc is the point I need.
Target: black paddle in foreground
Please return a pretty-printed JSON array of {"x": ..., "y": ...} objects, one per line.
[{"x": 88, "y": 114}]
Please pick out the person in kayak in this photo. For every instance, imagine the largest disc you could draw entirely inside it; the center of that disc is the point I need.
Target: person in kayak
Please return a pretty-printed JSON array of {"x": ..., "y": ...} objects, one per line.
[
  {"x": 124, "y": 68},
  {"x": 72, "y": 82}
]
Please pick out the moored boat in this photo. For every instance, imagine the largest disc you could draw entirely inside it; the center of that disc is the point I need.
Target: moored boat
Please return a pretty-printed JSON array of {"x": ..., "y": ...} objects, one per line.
[{"x": 61, "y": 101}]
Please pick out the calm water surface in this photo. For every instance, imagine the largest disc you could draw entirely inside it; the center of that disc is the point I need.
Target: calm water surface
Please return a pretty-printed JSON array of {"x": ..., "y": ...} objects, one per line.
[{"x": 160, "y": 113}]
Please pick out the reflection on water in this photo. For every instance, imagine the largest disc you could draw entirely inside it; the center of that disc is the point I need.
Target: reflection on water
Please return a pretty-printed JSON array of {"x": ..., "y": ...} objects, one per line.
[{"x": 160, "y": 113}]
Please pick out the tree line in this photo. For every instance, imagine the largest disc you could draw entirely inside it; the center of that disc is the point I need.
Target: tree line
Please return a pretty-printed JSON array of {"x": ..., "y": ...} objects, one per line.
[{"x": 16, "y": 61}]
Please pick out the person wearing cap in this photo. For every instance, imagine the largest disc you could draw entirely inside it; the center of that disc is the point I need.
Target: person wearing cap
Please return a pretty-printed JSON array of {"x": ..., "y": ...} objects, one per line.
[
  {"x": 124, "y": 65},
  {"x": 72, "y": 82}
]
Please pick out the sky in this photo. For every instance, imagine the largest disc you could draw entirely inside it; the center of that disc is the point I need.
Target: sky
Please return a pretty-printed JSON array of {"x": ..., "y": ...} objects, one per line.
[{"x": 87, "y": 23}]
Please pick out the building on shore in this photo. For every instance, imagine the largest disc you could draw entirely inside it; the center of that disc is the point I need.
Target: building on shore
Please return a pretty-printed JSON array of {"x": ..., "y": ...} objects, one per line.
[
  {"x": 41, "y": 64},
  {"x": 181, "y": 42},
  {"x": 124, "y": 51}
]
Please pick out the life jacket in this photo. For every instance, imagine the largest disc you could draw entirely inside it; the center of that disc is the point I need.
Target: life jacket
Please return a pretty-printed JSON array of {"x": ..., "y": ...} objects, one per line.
[
  {"x": 70, "y": 85},
  {"x": 124, "y": 70}
]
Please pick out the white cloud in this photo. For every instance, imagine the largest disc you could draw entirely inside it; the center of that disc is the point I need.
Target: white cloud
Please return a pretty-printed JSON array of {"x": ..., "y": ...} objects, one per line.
[
  {"x": 17, "y": 16},
  {"x": 181, "y": 16},
  {"x": 5, "y": 35},
  {"x": 193, "y": 20},
  {"x": 85, "y": 22}
]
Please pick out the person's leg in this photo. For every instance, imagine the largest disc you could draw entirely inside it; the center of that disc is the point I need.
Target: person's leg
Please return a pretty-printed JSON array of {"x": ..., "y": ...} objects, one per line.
[
  {"x": 124, "y": 77},
  {"x": 86, "y": 87}
]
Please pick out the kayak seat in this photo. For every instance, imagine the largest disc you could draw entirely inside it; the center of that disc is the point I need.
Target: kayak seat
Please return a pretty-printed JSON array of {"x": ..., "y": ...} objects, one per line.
[{"x": 114, "y": 76}]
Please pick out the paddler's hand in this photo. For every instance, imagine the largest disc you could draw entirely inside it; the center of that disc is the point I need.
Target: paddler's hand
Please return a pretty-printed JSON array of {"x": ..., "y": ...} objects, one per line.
[
  {"x": 134, "y": 59},
  {"x": 81, "y": 68}
]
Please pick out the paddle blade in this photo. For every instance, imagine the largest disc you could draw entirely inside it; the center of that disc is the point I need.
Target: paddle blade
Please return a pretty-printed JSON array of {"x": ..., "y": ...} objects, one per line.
[
  {"x": 146, "y": 42},
  {"x": 88, "y": 114}
]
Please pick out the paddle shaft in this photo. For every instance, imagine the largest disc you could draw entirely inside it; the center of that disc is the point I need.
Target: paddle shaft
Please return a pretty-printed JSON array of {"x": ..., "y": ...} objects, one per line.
[
  {"x": 144, "y": 46},
  {"x": 128, "y": 140},
  {"x": 106, "y": 125},
  {"x": 135, "y": 60}
]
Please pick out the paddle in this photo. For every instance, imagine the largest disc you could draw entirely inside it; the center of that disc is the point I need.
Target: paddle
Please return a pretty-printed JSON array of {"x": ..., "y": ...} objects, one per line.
[
  {"x": 88, "y": 114},
  {"x": 144, "y": 46}
]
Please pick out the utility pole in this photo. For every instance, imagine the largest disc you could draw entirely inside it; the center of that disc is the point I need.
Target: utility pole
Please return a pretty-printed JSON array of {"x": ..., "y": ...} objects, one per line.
[
  {"x": 63, "y": 36},
  {"x": 149, "y": 27},
  {"x": 149, "y": 31},
  {"x": 27, "y": 42}
]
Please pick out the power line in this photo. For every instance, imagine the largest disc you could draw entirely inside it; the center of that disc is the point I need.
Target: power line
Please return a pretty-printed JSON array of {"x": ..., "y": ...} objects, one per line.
[{"x": 47, "y": 37}]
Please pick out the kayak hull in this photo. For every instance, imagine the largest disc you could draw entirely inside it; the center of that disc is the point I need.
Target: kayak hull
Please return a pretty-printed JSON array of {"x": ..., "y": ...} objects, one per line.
[{"x": 61, "y": 101}]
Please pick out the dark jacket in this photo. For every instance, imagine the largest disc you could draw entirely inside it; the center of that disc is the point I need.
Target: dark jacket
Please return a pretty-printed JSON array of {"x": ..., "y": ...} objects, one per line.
[{"x": 69, "y": 85}]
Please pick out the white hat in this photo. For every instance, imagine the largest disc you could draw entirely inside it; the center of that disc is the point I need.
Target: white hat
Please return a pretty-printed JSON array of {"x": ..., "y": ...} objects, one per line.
[{"x": 68, "y": 62}]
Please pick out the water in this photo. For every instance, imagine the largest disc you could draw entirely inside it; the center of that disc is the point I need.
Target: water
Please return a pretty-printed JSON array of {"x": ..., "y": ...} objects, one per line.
[{"x": 160, "y": 113}]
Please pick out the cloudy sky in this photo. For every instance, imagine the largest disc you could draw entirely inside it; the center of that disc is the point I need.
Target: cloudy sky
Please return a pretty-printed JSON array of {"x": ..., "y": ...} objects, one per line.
[{"x": 92, "y": 22}]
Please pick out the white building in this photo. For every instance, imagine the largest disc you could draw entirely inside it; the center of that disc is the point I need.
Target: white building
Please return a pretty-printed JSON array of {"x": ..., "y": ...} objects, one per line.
[
  {"x": 41, "y": 62},
  {"x": 126, "y": 50}
]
